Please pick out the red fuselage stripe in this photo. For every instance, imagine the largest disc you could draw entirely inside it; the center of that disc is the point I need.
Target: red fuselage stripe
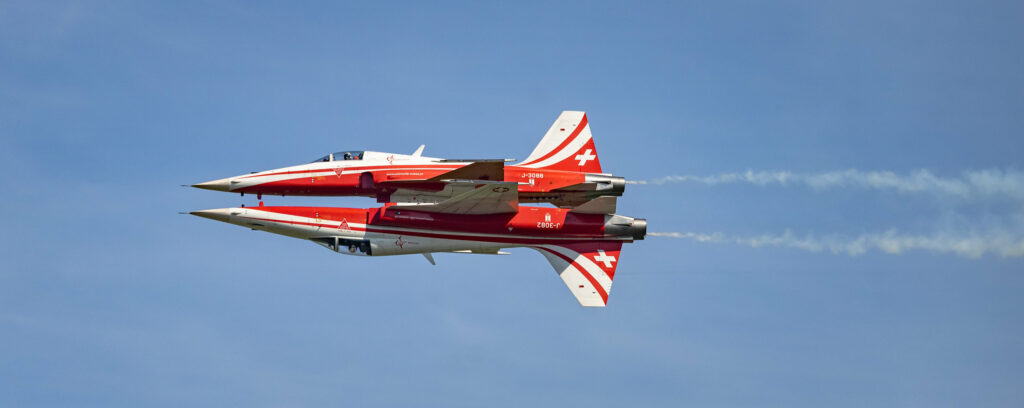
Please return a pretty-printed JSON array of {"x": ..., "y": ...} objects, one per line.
[
  {"x": 452, "y": 236},
  {"x": 355, "y": 168}
]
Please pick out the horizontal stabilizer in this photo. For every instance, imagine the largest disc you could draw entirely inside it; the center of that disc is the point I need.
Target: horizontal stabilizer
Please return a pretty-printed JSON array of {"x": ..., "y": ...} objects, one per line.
[{"x": 599, "y": 205}]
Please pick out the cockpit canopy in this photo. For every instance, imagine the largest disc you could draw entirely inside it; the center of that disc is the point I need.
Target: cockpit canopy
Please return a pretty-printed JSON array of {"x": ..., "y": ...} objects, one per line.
[{"x": 339, "y": 156}]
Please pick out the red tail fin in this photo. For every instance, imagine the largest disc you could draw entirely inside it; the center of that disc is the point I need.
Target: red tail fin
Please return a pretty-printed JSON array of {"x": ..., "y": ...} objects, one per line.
[
  {"x": 568, "y": 145},
  {"x": 586, "y": 268}
]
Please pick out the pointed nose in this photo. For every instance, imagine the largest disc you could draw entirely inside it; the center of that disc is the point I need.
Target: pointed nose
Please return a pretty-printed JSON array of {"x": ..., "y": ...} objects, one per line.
[
  {"x": 219, "y": 214},
  {"x": 215, "y": 185}
]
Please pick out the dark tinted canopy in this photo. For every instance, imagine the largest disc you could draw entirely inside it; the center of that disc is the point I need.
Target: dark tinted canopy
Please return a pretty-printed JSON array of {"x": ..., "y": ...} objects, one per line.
[{"x": 339, "y": 156}]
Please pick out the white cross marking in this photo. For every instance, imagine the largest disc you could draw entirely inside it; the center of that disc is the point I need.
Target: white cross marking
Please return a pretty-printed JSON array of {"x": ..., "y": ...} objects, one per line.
[
  {"x": 586, "y": 156},
  {"x": 607, "y": 259}
]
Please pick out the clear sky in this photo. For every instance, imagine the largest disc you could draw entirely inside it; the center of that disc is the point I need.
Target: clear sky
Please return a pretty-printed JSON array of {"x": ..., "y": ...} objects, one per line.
[{"x": 109, "y": 297}]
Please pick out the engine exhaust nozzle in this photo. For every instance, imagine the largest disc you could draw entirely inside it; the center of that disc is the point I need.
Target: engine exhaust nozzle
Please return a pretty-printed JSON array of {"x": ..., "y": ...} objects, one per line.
[
  {"x": 639, "y": 228},
  {"x": 607, "y": 185},
  {"x": 622, "y": 226}
]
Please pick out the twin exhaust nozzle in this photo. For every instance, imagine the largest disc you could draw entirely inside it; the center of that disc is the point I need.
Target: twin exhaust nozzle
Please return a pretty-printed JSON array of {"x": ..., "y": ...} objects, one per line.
[
  {"x": 607, "y": 185},
  {"x": 623, "y": 226}
]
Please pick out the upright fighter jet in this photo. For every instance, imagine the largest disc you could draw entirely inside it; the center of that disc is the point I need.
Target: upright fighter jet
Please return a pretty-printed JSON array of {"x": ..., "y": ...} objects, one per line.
[{"x": 563, "y": 169}]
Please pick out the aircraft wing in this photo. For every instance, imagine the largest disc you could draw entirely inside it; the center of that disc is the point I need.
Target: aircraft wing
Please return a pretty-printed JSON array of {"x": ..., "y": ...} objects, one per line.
[
  {"x": 586, "y": 268},
  {"x": 487, "y": 197},
  {"x": 491, "y": 170},
  {"x": 482, "y": 170}
]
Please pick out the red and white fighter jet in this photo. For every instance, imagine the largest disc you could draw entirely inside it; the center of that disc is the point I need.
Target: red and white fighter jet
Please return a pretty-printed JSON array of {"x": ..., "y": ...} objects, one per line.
[
  {"x": 563, "y": 169},
  {"x": 582, "y": 244}
]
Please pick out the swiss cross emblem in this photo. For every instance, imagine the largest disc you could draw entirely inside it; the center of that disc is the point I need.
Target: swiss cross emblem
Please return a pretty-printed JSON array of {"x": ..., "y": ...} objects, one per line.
[
  {"x": 585, "y": 157},
  {"x": 606, "y": 259},
  {"x": 547, "y": 217},
  {"x": 344, "y": 224}
]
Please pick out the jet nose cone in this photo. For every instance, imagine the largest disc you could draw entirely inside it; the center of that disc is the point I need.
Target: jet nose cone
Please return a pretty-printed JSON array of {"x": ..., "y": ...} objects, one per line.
[
  {"x": 219, "y": 214},
  {"x": 215, "y": 185}
]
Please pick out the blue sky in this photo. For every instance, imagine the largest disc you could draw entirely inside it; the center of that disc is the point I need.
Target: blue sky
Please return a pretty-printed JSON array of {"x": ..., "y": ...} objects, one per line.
[{"x": 109, "y": 297}]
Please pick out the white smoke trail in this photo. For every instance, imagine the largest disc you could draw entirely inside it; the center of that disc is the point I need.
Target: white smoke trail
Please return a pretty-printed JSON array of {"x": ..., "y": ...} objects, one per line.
[
  {"x": 1006, "y": 243},
  {"x": 971, "y": 184}
]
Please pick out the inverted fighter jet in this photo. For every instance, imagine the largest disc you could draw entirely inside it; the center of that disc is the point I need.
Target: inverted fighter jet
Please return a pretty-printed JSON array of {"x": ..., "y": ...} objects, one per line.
[
  {"x": 563, "y": 169},
  {"x": 582, "y": 244}
]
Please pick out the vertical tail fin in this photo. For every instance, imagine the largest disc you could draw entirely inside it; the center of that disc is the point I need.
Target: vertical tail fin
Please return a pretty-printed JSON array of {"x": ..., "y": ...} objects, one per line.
[
  {"x": 568, "y": 145},
  {"x": 586, "y": 268}
]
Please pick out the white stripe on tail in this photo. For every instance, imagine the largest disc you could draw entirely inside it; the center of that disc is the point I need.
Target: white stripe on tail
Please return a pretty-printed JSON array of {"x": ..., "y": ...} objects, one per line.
[
  {"x": 586, "y": 268},
  {"x": 568, "y": 145}
]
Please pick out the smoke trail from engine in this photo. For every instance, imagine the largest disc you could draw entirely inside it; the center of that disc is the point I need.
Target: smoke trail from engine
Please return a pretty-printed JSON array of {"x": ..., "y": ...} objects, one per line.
[
  {"x": 975, "y": 184},
  {"x": 1008, "y": 243}
]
